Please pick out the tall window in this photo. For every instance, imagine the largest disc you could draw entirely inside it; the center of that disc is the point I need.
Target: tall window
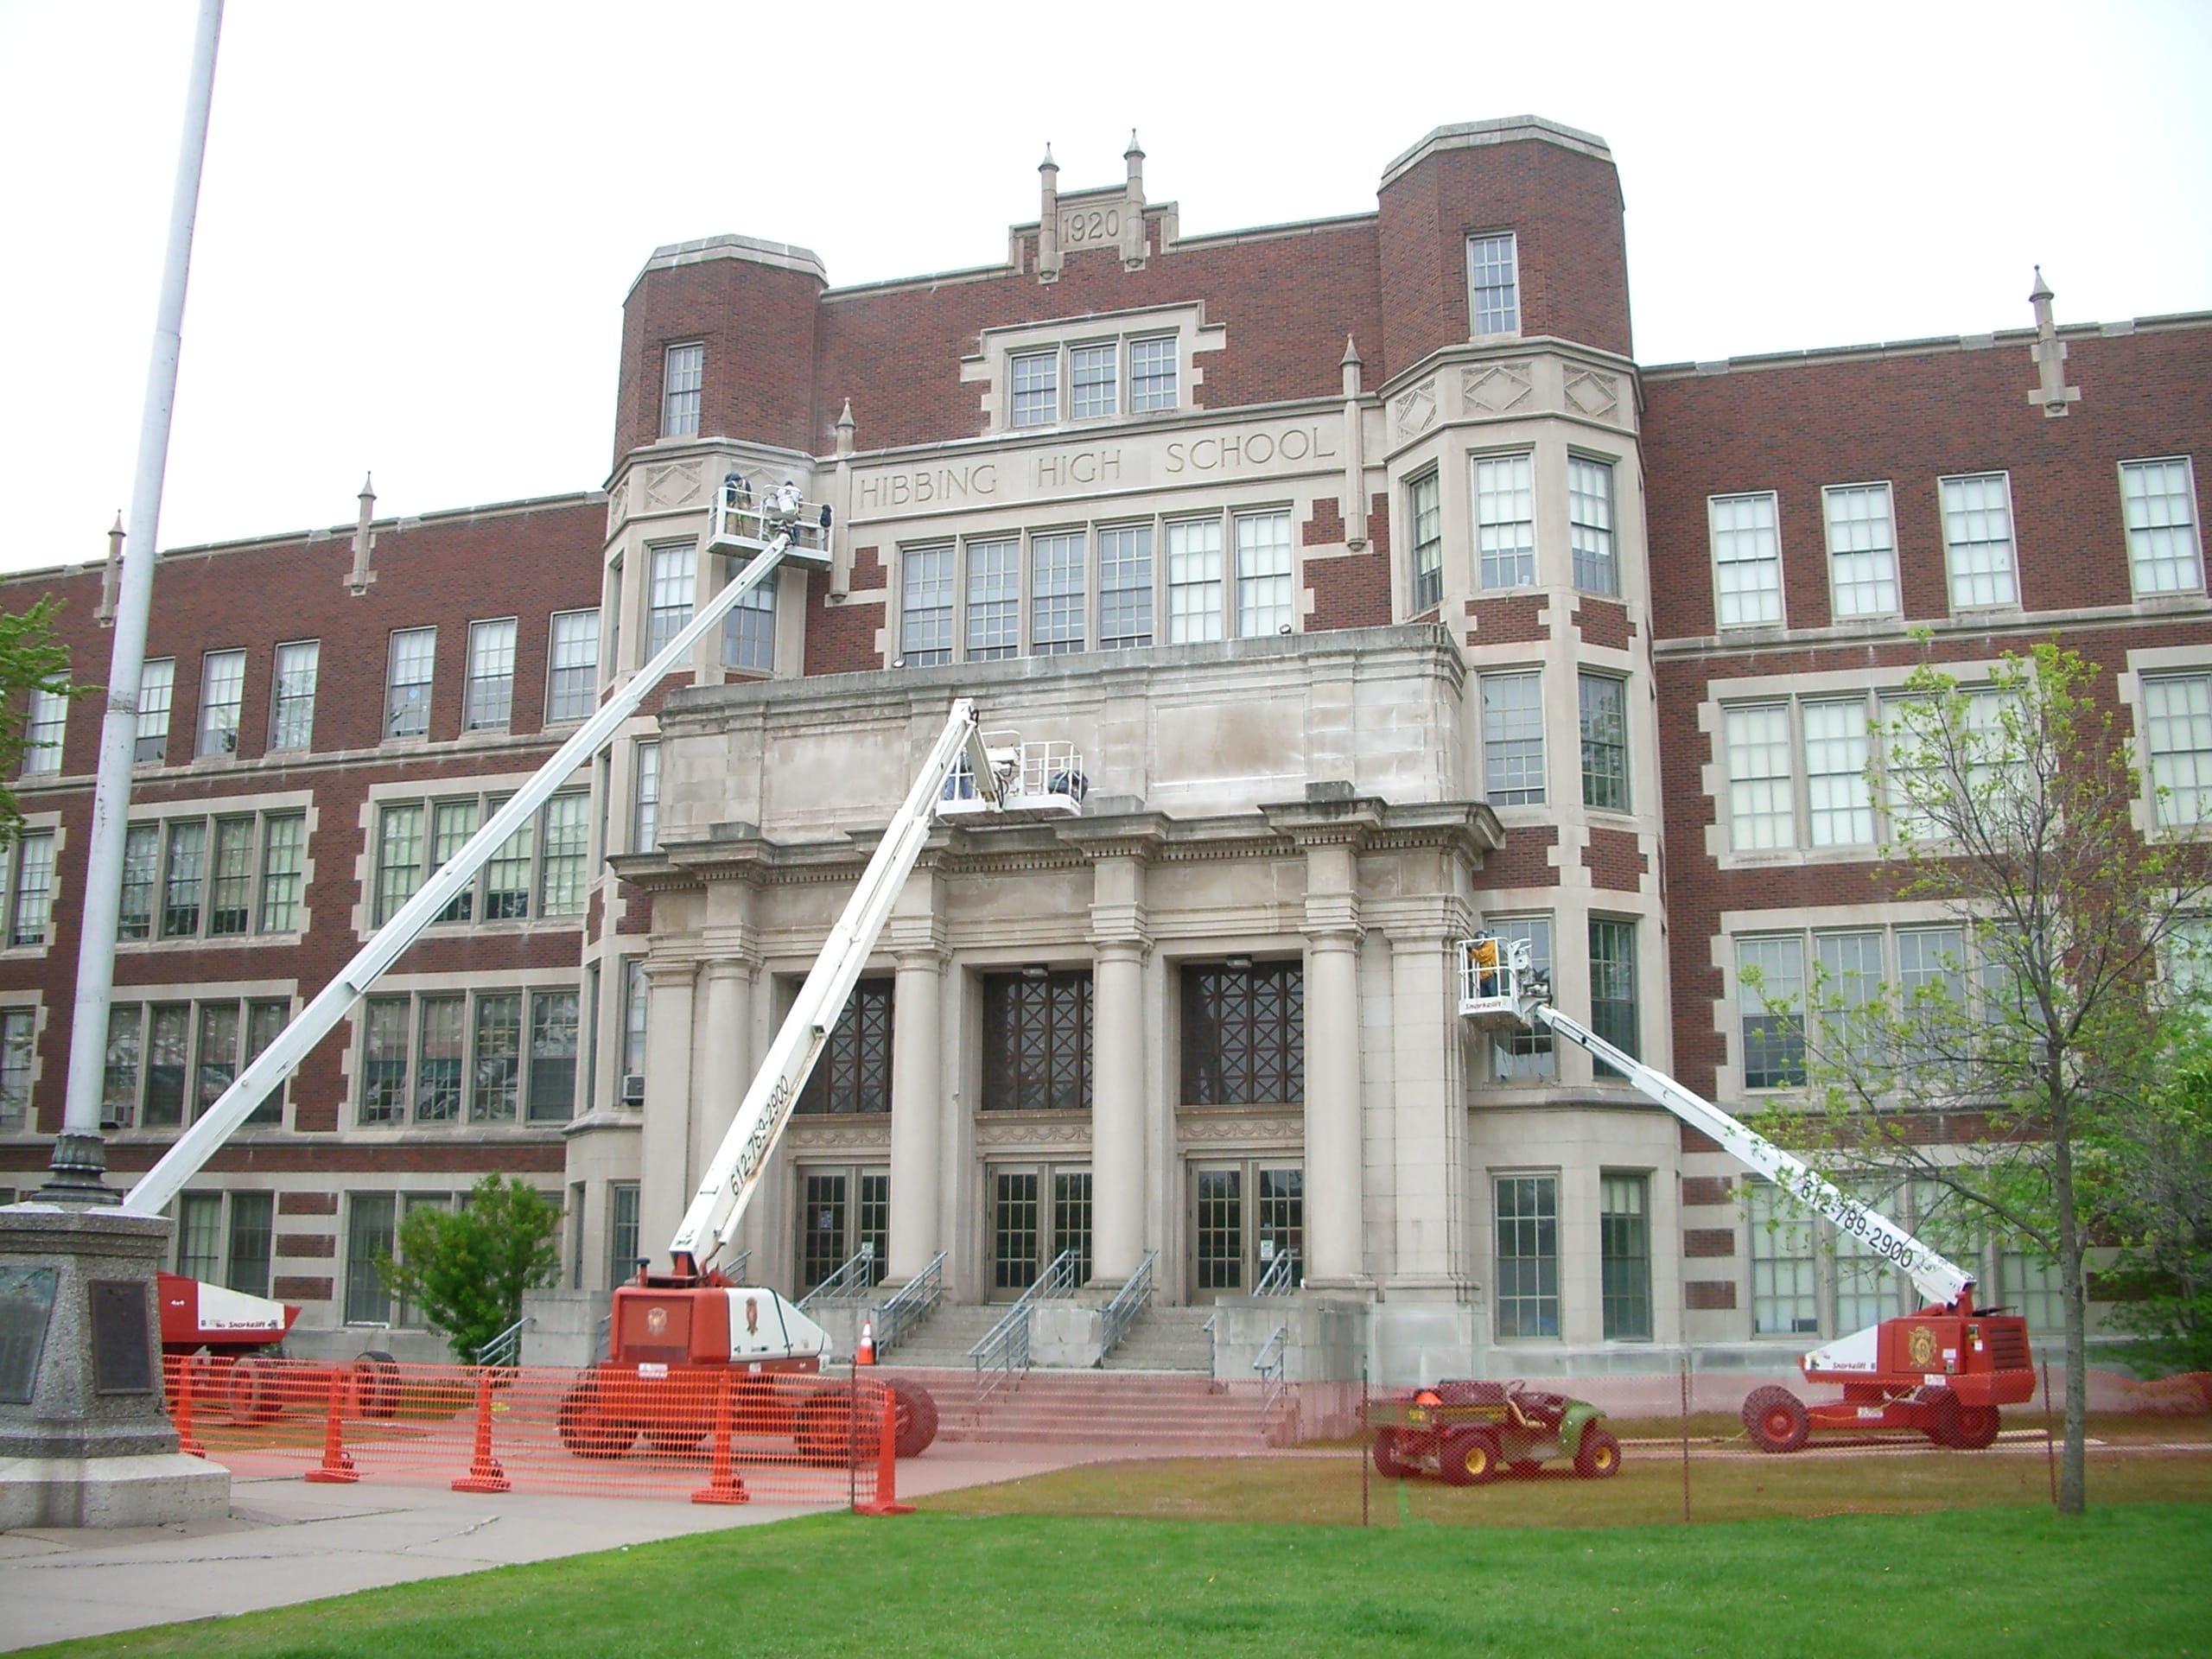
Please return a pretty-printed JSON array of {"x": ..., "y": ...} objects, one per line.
[
  {"x": 1244, "y": 1034},
  {"x": 1423, "y": 508},
  {"x": 407, "y": 687},
  {"x": 2157, "y": 501},
  {"x": 1526, "y": 1053},
  {"x": 1590, "y": 525},
  {"x": 854, "y": 1074},
  {"x": 538, "y": 872},
  {"x": 1977, "y": 540},
  {"x": 1604, "y": 709},
  {"x": 1036, "y": 1042},
  {"x": 1747, "y": 560},
  {"x": 491, "y": 675},
  {"x": 230, "y": 886},
  {"x": 1056, "y": 598},
  {"x": 1785, "y": 1292},
  {"x": 645, "y": 819},
  {"x": 141, "y": 845},
  {"x": 993, "y": 599},
  {"x": 200, "y": 1236},
  {"x": 31, "y": 904},
  {"x": 222, "y": 691},
  {"x": 1152, "y": 374},
  {"x": 1759, "y": 778},
  {"x": 18, "y": 1031},
  {"x": 291, "y": 714},
  {"x": 1612, "y": 985},
  {"x": 682, "y": 371},
  {"x": 636, "y": 1005},
  {"x": 369, "y": 1233},
  {"x": 1624, "y": 1255},
  {"x": 1493, "y": 284},
  {"x": 2177, "y": 718},
  {"x": 572, "y": 666},
  {"x": 1094, "y": 381},
  {"x": 1865, "y": 1287},
  {"x": 621, "y": 1230},
  {"x": 1125, "y": 586},
  {"x": 1862, "y": 549},
  {"x": 925, "y": 605},
  {"x": 1262, "y": 574},
  {"x": 478, "y": 1057},
  {"x": 212, "y": 876},
  {"x": 672, "y": 574},
  {"x": 1194, "y": 580},
  {"x": 1528, "y": 1256},
  {"x": 1513, "y": 739},
  {"x": 1842, "y": 806},
  {"x": 1036, "y": 388},
  {"x": 2031, "y": 1282},
  {"x": 1505, "y": 520},
  {"x": 1771, "y": 973},
  {"x": 191, "y": 1054},
  {"x": 749, "y": 629},
  {"x": 157, "y": 693},
  {"x": 43, "y": 730}
]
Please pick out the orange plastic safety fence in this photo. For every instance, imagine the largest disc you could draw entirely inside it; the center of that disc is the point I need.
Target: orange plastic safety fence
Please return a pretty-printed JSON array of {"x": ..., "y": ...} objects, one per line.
[{"x": 722, "y": 1436}]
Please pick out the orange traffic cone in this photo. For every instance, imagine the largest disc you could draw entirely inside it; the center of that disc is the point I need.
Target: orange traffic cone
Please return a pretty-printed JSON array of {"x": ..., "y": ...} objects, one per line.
[
  {"x": 865, "y": 1354},
  {"x": 337, "y": 1465},
  {"x": 484, "y": 1474},
  {"x": 886, "y": 1501}
]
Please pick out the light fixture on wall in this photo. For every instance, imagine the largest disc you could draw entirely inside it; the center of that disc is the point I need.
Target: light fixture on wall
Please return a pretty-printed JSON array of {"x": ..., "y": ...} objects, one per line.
[
  {"x": 1036, "y": 970},
  {"x": 1240, "y": 965}
]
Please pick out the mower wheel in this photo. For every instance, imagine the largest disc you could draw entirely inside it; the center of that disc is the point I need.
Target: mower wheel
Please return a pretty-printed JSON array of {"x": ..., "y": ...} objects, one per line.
[
  {"x": 917, "y": 1418},
  {"x": 1598, "y": 1457},
  {"x": 822, "y": 1428},
  {"x": 376, "y": 1383},
  {"x": 1775, "y": 1418},
  {"x": 1387, "y": 1461},
  {"x": 1977, "y": 1428},
  {"x": 587, "y": 1434},
  {"x": 1470, "y": 1458}
]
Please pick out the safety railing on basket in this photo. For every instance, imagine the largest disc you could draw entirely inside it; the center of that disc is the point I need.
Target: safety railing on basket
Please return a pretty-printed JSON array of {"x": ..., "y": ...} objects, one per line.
[
  {"x": 1130, "y": 1302},
  {"x": 1004, "y": 1350},
  {"x": 852, "y": 1281},
  {"x": 910, "y": 1305}
]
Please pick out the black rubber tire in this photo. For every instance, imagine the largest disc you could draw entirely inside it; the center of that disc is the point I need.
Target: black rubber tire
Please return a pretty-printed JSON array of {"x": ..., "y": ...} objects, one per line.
[
  {"x": 1775, "y": 1418},
  {"x": 917, "y": 1417},
  {"x": 1599, "y": 1456},
  {"x": 1386, "y": 1455},
  {"x": 822, "y": 1429},
  {"x": 1470, "y": 1458},
  {"x": 376, "y": 1383},
  {"x": 675, "y": 1442},
  {"x": 587, "y": 1434},
  {"x": 1977, "y": 1428},
  {"x": 254, "y": 1392}
]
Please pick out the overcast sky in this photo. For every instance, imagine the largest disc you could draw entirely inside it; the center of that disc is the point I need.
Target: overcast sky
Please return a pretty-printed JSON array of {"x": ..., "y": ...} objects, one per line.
[{"x": 418, "y": 221}]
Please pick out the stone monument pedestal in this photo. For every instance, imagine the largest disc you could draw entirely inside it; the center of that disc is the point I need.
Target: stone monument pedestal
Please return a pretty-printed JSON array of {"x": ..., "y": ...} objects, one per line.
[{"x": 84, "y": 1439}]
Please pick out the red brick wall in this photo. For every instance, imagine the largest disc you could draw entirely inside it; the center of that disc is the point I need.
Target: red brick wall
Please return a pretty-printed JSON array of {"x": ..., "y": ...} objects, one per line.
[
  {"x": 758, "y": 324},
  {"x": 1603, "y": 622},
  {"x": 1524, "y": 860},
  {"x": 1613, "y": 861},
  {"x": 841, "y": 639},
  {"x": 1509, "y": 619},
  {"x": 1352, "y": 590}
]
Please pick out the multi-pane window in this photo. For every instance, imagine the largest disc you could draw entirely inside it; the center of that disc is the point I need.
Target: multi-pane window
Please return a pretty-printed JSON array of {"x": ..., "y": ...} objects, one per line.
[
  {"x": 1152, "y": 374},
  {"x": 993, "y": 599},
  {"x": 1094, "y": 381},
  {"x": 1124, "y": 585},
  {"x": 1493, "y": 284},
  {"x": 2031, "y": 1282},
  {"x": 622, "y": 1212},
  {"x": 407, "y": 685},
  {"x": 537, "y": 872},
  {"x": 491, "y": 675},
  {"x": 671, "y": 575},
  {"x": 1424, "y": 506},
  {"x": 235, "y": 1256},
  {"x": 1194, "y": 580},
  {"x": 291, "y": 711},
  {"x": 1505, "y": 520},
  {"x": 1526, "y": 1053},
  {"x": 1760, "y": 784},
  {"x": 1785, "y": 1290},
  {"x": 1977, "y": 540},
  {"x": 1528, "y": 1256},
  {"x": 636, "y": 1004},
  {"x": 572, "y": 666},
  {"x": 230, "y": 877},
  {"x": 925, "y": 605},
  {"x": 212, "y": 878},
  {"x": 1862, "y": 549},
  {"x": 645, "y": 814},
  {"x": 1612, "y": 985},
  {"x": 1243, "y": 1033},
  {"x": 222, "y": 692},
  {"x": 854, "y": 1074},
  {"x": 1057, "y": 603},
  {"x": 682, "y": 372},
  {"x": 1771, "y": 971},
  {"x": 30, "y": 902},
  {"x": 371, "y": 1233},
  {"x": 1590, "y": 525},
  {"x": 1037, "y": 1041},
  {"x": 200, "y": 1236},
  {"x": 183, "y": 876},
  {"x": 157, "y": 693},
  {"x": 141, "y": 845},
  {"x": 1036, "y": 388},
  {"x": 2178, "y": 721},
  {"x": 749, "y": 629},
  {"x": 475, "y": 1057},
  {"x": 191, "y": 1053},
  {"x": 18, "y": 1035},
  {"x": 2157, "y": 501},
  {"x": 1603, "y": 703},
  {"x": 1840, "y": 805},
  {"x": 1747, "y": 560},
  {"x": 1262, "y": 574},
  {"x": 1513, "y": 739},
  {"x": 1624, "y": 1255},
  {"x": 43, "y": 730}
]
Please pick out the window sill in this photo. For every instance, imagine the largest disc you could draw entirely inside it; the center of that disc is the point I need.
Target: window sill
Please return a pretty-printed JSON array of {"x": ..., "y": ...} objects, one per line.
[{"x": 208, "y": 942}]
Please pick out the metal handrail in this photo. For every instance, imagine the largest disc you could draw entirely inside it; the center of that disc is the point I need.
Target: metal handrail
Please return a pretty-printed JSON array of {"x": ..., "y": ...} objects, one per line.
[
  {"x": 1213, "y": 1345},
  {"x": 503, "y": 1351},
  {"x": 853, "y": 1280},
  {"x": 1270, "y": 1366},
  {"x": 1280, "y": 1278},
  {"x": 601, "y": 1337},
  {"x": 914, "y": 1301},
  {"x": 1129, "y": 1302},
  {"x": 1005, "y": 1347},
  {"x": 735, "y": 1272}
]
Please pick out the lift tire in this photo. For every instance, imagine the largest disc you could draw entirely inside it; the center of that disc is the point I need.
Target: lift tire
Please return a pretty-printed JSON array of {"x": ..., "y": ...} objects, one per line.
[
  {"x": 1386, "y": 1455},
  {"x": 1470, "y": 1458},
  {"x": 917, "y": 1418},
  {"x": 1599, "y": 1456},
  {"x": 254, "y": 1390},
  {"x": 822, "y": 1429},
  {"x": 675, "y": 1442},
  {"x": 1775, "y": 1418},
  {"x": 1976, "y": 1428},
  {"x": 586, "y": 1433},
  {"x": 376, "y": 1384}
]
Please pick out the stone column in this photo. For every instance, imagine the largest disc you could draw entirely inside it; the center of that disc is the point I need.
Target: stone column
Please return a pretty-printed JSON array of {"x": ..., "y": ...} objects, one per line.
[
  {"x": 1335, "y": 1143},
  {"x": 725, "y": 1059},
  {"x": 917, "y": 1130},
  {"x": 1429, "y": 1107},
  {"x": 1117, "y": 1115},
  {"x": 664, "y": 1187}
]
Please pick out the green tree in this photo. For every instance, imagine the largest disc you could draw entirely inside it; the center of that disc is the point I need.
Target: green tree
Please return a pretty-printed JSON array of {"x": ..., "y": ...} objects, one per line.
[
  {"x": 2005, "y": 1078},
  {"x": 467, "y": 1268},
  {"x": 32, "y": 658},
  {"x": 2159, "y": 1172}
]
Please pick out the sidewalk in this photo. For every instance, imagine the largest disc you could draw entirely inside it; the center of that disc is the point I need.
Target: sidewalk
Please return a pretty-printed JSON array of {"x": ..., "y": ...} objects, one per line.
[{"x": 287, "y": 1541}]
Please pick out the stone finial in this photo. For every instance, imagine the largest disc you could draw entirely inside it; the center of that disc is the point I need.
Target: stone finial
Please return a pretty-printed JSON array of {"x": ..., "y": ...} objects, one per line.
[
  {"x": 1048, "y": 217},
  {"x": 1351, "y": 364},
  {"x": 110, "y": 574},
  {"x": 1133, "y": 249},
  {"x": 2049, "y": 354},
  {"x": 845, "y": 430},
  {"x": 358, "y": 578},
  {"x": 1048, "y": 165}
]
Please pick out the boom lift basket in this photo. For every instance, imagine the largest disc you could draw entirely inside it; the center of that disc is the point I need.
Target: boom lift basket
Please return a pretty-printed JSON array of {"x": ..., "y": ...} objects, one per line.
[
  {"x": 1494, "y": 975},
  {"x": 744, "y": 523},
  {"x": 1043, "y": 778}
]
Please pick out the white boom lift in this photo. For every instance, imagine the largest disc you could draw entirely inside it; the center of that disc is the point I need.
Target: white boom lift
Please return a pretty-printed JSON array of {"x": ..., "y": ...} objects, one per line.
[{"x": 1943, "y": 1371}]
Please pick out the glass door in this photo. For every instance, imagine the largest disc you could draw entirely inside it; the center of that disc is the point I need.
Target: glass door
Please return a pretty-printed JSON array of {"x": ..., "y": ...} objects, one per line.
[
  {"x": 841, "y": 1209},
  {"x": 1244, "y": 1217},
  {"x": 1037, "y": 1211}
]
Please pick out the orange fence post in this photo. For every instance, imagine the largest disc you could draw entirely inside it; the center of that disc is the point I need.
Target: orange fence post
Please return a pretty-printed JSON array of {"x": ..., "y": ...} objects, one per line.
[
  {"x": 484, "y": 1474},
  {"x": 886, "y": 1501},
  {"x": 185, "y": 1442},
  {"x": 723, "y": 1484},
  {"x": 337, "y": 1465}
]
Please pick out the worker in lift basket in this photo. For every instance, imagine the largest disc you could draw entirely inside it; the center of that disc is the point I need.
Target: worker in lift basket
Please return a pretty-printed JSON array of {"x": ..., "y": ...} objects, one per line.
[
  {"x": 1482, "y": 950},
  {"x": 783, "y": 506}
]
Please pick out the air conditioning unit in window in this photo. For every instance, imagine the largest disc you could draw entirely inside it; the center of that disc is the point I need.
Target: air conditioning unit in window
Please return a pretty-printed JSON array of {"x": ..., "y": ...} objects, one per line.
[{"x": 633, "y": 1087}]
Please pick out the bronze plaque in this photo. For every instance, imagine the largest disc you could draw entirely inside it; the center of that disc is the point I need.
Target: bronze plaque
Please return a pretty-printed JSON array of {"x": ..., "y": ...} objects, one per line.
[
  {"x": 122, "y": 1348},
  {"x": 26, "y": 1309}
]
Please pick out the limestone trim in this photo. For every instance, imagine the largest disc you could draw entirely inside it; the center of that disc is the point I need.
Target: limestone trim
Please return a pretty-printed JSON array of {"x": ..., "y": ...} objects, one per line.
[
  {"x": 750, "y": 249},
  {"x": 1217, "y": 1128},
  {"x": 826, "y": 1132},
  {"x": 1501, "y": 130}
]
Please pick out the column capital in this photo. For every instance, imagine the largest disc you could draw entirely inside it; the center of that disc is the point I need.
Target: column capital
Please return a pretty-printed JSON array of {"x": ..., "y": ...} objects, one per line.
[
  {"x": 669, "y": 970},
  {"x": 1332, "y": 917},
  {"x": 916, "y": 958},
  {"x": 737, "y": 947},
  {"x": 1117, "y": 926},
  {"x": 1120, "y": 945}
]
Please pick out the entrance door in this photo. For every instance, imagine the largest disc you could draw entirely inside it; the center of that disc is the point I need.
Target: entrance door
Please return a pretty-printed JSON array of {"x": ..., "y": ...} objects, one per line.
[
  {"x": 840, "y": 1209},
  {"x": 1243, "y": 1216},
  {"x": 1037, "y": 1211}
]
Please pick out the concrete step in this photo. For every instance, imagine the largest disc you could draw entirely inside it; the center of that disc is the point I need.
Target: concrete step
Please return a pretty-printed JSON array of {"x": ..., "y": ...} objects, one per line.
[{"x": 1150, "y": 1413}]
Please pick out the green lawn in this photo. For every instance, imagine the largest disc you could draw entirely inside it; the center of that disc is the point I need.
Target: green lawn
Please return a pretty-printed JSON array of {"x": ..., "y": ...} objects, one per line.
[{"x": 2017, "y": 1582}]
